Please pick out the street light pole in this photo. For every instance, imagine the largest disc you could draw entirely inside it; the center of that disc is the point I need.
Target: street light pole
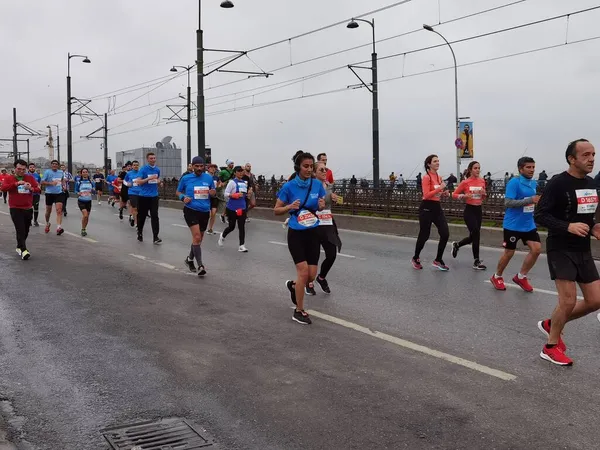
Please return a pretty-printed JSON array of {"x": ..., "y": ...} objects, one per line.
[
  {"x": 57, "y": 143},
  {"x": 456, "y": 118},
  {"x": 375, "y": 91},
  {"x": 189, "y": 111},
  {"x": 69, "y": 98}
]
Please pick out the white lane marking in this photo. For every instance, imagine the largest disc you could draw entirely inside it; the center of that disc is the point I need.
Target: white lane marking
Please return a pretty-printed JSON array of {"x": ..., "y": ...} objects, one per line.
[
  {"x": 179, "y": 225},
  {"x": 5, "y": 213},
  {"x": 138, "y": 256},
  {"x": 165, "y": 265},
  {"x": 541, "y": 291},
  {"x": 339, "y": 254},
  {"x": 81, "y": 237},
  {"x": 162, "y": 264},
  {"x": 416, "y": 347}
]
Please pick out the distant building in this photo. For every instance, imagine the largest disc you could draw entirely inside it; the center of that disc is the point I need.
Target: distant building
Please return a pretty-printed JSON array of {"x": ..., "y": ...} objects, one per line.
[{"x": 168, "y": 157}]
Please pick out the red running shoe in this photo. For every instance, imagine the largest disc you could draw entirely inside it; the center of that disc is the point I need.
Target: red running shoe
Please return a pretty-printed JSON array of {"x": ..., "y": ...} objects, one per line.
[
  {"x": 556, "y": 356},
  {"x": 47, "y": 229},
  {"x": 498, "y": 283},
  {"x": 523, "y": 283},
  {"x": 544, "y": 327},
  {"x": 416, "y": 263}
]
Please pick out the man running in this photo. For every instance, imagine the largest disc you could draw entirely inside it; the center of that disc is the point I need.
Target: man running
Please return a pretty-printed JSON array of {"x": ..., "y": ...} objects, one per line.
[
  {"x": 124, "y": 189},
  {"x": 133, "y": 191},
  {"x": 98, "y": 180},
  {"x": 66, "y": 186},
  {"x": 214, "y": 201},
  {"x": 36, "y": 195},
  {"x": 110, "y": 178},
  {"x": 20, "y": 202},
  {"x": 520, "y": 200},
  {"x": 250, "y": 178},
  {"x": 84, "y": 189},
  {"x": 149, "y": 180},
  {"x": 567, "y": 209},
  {"x": 3, "y": 175},
  {"x": 226, "y": 174},
  {"x": 195, "y": 191},
  {"x": 54, "y": 180},
  {"x": 322, "y": 157}
]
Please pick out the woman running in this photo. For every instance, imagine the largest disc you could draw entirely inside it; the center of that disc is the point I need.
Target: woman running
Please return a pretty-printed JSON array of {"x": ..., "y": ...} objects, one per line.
[
  {"x": 83, "y": 189},
  {"x": 328, "y": 233},
  {"x": 236, "y": 194},
  {"x": 302, "y": 197},
  {"x": 472, "y": 191},
  {"x": 430, "y": 212}
]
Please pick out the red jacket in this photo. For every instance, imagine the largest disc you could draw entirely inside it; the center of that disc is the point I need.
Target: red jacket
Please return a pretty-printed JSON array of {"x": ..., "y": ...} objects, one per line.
[
  {"x": 329, "y": 176},
  {"x": 16, "y": 199}
]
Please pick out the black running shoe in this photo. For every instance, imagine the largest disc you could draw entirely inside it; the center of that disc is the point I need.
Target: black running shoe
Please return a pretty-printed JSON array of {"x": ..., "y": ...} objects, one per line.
[
  {"x": 291, "y": 287},
  {"x": 140, "y": 237},
  {"x": 36, "y": 224},
  {"x": 455, "y": 249},
  {"x": 131, "y": 221},
  {"x": 222, "y": 219},
  {"x": 121, "y": 214},
  {"x": 310, "y": 289},
  {"x": 201, "y": 271},
  {"x": 324, "y": 285},
  {"x": 59, "y": 231},
  {"x": 478, "y": 265},
  {"x": 157, "y": 241},
  {"x": 65, "y": 213},
  {"x": 190, "y": 263},
  {"x": 301, "y": 317}
]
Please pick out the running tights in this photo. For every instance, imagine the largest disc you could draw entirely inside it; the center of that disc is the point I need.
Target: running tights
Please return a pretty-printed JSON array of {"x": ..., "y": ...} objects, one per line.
[
  {"x": 146, "y": 204},
  {"x": 22, "y": 220},
  {"x": 430, "y": 212},
  {"x": 330, "y": 255},
  {"x": 232, "y": 218},
  {"x": 36, "y": 207},
  {"x": 473, "y": 220},
  {"x": 4, "y": 194}
]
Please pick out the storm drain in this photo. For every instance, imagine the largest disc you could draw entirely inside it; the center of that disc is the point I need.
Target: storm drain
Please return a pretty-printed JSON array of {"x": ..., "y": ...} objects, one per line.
[{"x": 167, "y": 434}]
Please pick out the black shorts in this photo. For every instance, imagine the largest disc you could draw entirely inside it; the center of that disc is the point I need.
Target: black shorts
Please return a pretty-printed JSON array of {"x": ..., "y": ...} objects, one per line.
[
  {"x": 84, "y": 205},
  {"x": 133, "y": 201},
  {"x": 99, "y": 187},
  {"x": 124, "y": 196},
  {"x": 51, "y": 199},
  {"x": 193, "y": 217},
  {"x": 214, "y": 203},
  {"x": 304, "y": 246},
  {"x": 512, "y": 237},
  {"x": 572, "y": 266}
]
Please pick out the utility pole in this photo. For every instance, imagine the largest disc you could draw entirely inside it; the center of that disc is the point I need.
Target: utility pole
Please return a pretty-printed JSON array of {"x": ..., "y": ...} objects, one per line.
[
  {"x": 69, "y": 132},
  {"x": 105, "y": 144},
  {"x": 15, "y": 149},
  {"x": 57, "y": 145},
  {"x": 200, "y": 99},
  {"x": 28, "y": 152}
]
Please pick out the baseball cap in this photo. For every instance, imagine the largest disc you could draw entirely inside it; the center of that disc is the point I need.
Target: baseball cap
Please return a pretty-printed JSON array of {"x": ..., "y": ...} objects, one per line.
[
  {"x": 198, "y": 160},
  {"x": 238, "y": 168},
  {"x": 229, "y": 162}
]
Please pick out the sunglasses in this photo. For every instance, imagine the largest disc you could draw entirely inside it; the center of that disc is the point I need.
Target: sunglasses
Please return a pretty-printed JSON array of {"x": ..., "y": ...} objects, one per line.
[{"x": 323, "y": 169}]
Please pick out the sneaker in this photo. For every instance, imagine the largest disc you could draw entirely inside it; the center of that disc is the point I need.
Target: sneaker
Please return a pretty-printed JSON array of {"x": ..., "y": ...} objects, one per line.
[
  {"x": 19, "y": 252},
  {"x": 36, "y": 224},
  {"x": 222, "y": 219},
  {"x": 285, "y": 224},
  {"x": 324, "y": 285},
  {"x": 301, "y": 317},
  {"x": 25, "y": 255},
  {"x": 221, "y": 240},
  {"x": 140, "y": 237},
  {"x": 416, "y": 263},
  {"x": 478, "y": 265},
  {"x": 544, "y": 327},
  {"x": 247, "y": 219},
  {"x": 157, "y": 241},
  {"x": 243, "y": 249},
  {"x": 201, "y": 271},
  {"x": 59, "y": 231},
  {"x": 210, "y": 232},
  {"x": 290, "y": 285},
  {"x": 83, "y": 233},
  {"x": 555, "y": 356},
  {"x": 99, "y": 202},
  {"x": 310, "y": 289},
  {"x": 131, "y": 221},
  {"x": 47, "y": 229},
  {"x": 120, "y": 214},
  {"x": 440, "y": 265},
  {"x": 190, "y": 264},
  {"x": 65, "y": 213},
  {"x": 498, "y": 283},
  {"x": 455, "y": 249},
  {"x": 523, "y": 283}
]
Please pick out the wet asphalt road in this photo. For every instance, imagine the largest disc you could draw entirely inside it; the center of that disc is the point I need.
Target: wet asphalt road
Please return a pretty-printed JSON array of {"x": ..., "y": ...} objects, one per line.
[{"x": 108, "y": 331}]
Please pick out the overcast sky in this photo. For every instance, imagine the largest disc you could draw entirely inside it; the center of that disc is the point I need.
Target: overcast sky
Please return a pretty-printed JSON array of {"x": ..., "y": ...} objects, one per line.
[{"x": 532, "y": 104}]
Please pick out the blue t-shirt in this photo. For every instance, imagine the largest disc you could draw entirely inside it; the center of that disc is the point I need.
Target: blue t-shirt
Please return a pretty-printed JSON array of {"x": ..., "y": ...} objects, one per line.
[
  {"x": 150, "y": 188},
  {"x": 292, "y": 191},
  {"x": 53, "y": 176},
  {"x": 37, "y": 177},
  {"x": 196, "y": 187},
  {"x": 134, "y": 188},
  {"x": 234, "y": 204},
  {"x": 521, "y": 218},
  {"x": 85, "y": 186},
  {"x": 109, "y": 181}
]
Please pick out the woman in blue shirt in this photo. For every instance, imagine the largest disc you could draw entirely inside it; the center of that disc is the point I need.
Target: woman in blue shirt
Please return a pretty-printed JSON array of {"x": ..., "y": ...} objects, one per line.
[
  {"x": 236, "y": 194},
  {"x": 302, "y": 197},
  {"x": 83, "y": 189}
]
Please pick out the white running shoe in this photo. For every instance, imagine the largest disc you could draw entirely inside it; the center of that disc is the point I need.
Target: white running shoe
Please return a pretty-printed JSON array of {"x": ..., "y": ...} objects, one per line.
[
  {"x": 221, "y": 240},
  {"x": 243, "y": 249},
  {"x": 285, "y": 224}
]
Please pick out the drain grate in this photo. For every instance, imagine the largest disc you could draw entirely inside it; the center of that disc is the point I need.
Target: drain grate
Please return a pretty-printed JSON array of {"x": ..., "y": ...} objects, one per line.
[{"x": 167, "y": 434}]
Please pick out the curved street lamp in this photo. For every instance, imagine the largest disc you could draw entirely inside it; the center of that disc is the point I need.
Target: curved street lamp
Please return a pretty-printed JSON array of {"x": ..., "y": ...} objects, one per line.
[
  {"x": 189, "y": 110},
  {"x": 85, "y": 60}
]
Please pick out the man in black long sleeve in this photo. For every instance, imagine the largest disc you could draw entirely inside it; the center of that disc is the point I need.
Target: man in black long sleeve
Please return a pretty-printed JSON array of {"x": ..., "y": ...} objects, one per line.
[{"x": 567, "y": 209}]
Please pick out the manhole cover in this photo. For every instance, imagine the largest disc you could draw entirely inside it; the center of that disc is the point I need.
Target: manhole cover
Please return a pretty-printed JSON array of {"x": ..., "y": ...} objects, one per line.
[{"x": 167, "y": 434}]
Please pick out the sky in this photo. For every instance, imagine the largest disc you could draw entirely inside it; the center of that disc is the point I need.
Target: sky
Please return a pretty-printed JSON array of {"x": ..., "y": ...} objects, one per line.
[{"x": 531, "y": 104}]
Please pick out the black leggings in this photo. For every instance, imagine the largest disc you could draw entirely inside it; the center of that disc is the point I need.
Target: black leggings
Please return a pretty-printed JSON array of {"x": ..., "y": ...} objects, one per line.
[
  {"x": 473, "y": 220},
  {"x": 330, "y": 252},
  {"x": 145, "y": 205},
  {"x": 232, "y": 218},
  {"x": 22, "y": 220},
  {"x": 36, "y": 207},
  {"x": 431, "y": 212}
]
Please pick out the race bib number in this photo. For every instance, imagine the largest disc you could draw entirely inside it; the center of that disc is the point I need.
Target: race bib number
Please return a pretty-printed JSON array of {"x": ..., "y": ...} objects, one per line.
[
  {"x": 529, "y": 208},
  {"x": 153, "y": 181},
  {"x": 476, "y": 192},
  {"x": 325, "y": 217},
  {"x": 97, "y": 180},
  {"x": 85, "y": 193},
  {"x": 201, "y": 192},
  {"x": 21, "y": 189},
  {"x": 135, "y": 183},
  {"x": 439, "y": 194},
  {"x": 306, "y": 218},
  {"x": 587, "y": 201},
  {"x": 243, "y": 188},
  {"x": 57, "y": 181}
]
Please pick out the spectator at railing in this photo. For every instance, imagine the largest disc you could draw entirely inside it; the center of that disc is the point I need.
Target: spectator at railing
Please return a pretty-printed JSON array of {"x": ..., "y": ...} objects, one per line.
[
  {"x": 451, "y": 181},
  {"x": 542, "y": 177}
]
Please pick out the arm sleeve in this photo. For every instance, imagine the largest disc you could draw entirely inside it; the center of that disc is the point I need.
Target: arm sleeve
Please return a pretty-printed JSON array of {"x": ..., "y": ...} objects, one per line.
[
  {"x": 512, "y": 203},
  {"x": 543, "y": 212},
  {"x": 230, "y": 189},
  {"x": 459, "y": 190},
  {"x": 427, "y": 186},
  {"x": 511, "y": 193}
]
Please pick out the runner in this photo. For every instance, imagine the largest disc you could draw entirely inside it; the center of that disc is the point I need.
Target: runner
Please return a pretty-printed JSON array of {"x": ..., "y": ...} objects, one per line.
[
  {"x": 472, "y": 191},
  {"x": 111, "y": 177},
  {"x": 3, "y": 175},
  {"x": 36, "y": 195},
  {"x": 236, "y": 194},
  {"x": 149, "y": 180},
  {"x": 21, "y": 186},
  {"x": 98, "y": 180},
  {"x": 84, "y": 189},
  {"x": 322, "y": 157},
  {"x": 195, "y": 190},
  {"x": 66, "y": 186},
  {"x": 520, "y": 200},
  {"x": 567, "y": 210},
  {"x": 225, "y": 175},
  {"x": 117, "y": 184},
  {"x": 54, "y": 180},
  {"x": 301, "y": 198},
  {"x": 133, "y": 190},
  {"x": 328, "y": 233},
  {"x": 214, "y": 201},
  {"x": 251, "y": 180},
  {"x": 124, "y": 194},
  {"x": 430, "y": 212}
]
